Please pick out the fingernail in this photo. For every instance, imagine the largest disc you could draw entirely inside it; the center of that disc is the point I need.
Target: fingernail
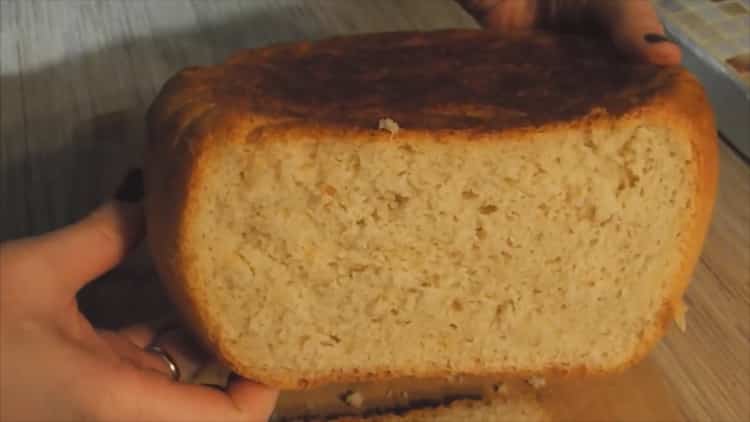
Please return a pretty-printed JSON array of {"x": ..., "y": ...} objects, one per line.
[
  {"x": 131, "y": 188},
  {"x": 653, "y": 38},
  {"x": 214, "y": 386}
]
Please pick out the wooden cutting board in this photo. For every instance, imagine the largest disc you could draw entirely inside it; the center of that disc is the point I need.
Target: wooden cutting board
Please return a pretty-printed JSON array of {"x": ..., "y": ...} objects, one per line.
[{"x": 637, "y": 395}]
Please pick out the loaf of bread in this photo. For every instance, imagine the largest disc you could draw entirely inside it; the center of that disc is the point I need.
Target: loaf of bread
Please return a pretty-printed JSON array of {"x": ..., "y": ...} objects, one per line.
[{"x": 429, "y": 204}]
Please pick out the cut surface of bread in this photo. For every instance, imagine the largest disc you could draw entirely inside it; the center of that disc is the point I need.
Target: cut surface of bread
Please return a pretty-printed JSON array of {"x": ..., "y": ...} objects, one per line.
[{"x": 538, "y": 210}]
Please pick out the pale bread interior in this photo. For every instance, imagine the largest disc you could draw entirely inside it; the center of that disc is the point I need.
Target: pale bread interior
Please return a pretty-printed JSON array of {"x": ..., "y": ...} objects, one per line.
[{"x": 335, "y": 257}]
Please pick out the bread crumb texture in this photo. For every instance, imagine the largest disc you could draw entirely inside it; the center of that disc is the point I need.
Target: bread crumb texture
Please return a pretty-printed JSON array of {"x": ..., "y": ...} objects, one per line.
[{"x": 318, "y": 257}]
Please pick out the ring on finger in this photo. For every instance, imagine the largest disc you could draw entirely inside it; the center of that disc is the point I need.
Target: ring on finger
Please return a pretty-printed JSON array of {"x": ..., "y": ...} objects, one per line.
[{"x": 153, "y": 347}]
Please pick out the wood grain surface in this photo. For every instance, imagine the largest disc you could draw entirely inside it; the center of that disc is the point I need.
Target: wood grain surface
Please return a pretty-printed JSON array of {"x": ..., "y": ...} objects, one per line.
[{"x": 77, "y": 76}]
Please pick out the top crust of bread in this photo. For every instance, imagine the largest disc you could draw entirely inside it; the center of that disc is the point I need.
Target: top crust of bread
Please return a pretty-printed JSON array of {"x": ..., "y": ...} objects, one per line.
[
  {"x": 467, "y": 80},
  {"x": 463, "y": 85}
]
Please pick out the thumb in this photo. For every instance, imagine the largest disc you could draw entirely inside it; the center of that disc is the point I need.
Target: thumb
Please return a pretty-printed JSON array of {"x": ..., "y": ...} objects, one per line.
[
  {"x": 252, "y": 398},
  {"x": 62, "y": 261},
  {"x": 636, "y": 30}
]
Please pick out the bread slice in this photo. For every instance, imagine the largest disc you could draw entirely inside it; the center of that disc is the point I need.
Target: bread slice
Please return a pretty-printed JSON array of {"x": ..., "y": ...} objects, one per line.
[
  {"x": 473, "y": 400},
  {"x": 429, "y": 204},
  {"x": 494, "y": 410}
]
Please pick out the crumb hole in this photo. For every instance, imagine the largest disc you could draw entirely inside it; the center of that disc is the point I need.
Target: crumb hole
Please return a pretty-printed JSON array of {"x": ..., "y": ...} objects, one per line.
[
  {"x": 487, "y": 209},
  {"x": 401, "y": 200},
  {"x": 407, "y": 148},
  {"x": 457, "y": 306},
  {"x": 327, "y": 189}
]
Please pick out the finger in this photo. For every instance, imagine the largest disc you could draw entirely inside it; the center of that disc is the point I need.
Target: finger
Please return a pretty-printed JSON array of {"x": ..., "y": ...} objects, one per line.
[
  {"x": 251, "y": 396},
  {"x": 124, "y": 349},
  {"x": 190, "y": 359},
  {"x": 137, "y": 395},
  {"x": 636, "y": 30},
  {"x": 79, "y": 253},
  {"x": 140, "y": 335},
  {"x": 511, "y": 16},
  {"x": 182, "y": 350},
  {"x": 62, "y": 261},
  {"x": 502, "y": 15}
]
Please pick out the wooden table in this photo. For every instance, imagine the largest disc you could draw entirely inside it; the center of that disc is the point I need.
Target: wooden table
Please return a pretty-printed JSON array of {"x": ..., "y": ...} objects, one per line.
[{"x": 78, "y": 75}]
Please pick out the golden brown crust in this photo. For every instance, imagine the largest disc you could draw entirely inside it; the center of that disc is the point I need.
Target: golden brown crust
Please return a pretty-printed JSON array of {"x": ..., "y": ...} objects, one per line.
[
  {"x": 447, "y": 80},
  {"x": 685, "y": 109},
  {"x": 469, "y": 86}
]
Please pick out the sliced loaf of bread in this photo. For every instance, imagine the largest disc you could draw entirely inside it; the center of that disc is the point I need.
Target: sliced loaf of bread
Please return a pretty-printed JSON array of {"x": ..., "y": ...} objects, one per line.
[{"x": 429, "y": 204}]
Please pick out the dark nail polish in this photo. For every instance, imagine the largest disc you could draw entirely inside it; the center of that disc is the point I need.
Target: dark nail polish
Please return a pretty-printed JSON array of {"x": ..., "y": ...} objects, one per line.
[
  {"x": 131, "y": 188},
  {"x": 214, "y": 386},
  {"x": 655, "y": 38}
]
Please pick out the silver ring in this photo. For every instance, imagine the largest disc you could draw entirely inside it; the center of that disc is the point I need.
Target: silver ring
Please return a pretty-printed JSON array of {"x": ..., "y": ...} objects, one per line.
[{"x": 174, "y": 370}]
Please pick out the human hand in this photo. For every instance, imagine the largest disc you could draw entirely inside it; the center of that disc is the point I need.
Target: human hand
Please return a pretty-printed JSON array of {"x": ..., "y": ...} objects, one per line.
[
  {"x": 632, "y": 25},
  {"x": 55, "y": 366}
]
